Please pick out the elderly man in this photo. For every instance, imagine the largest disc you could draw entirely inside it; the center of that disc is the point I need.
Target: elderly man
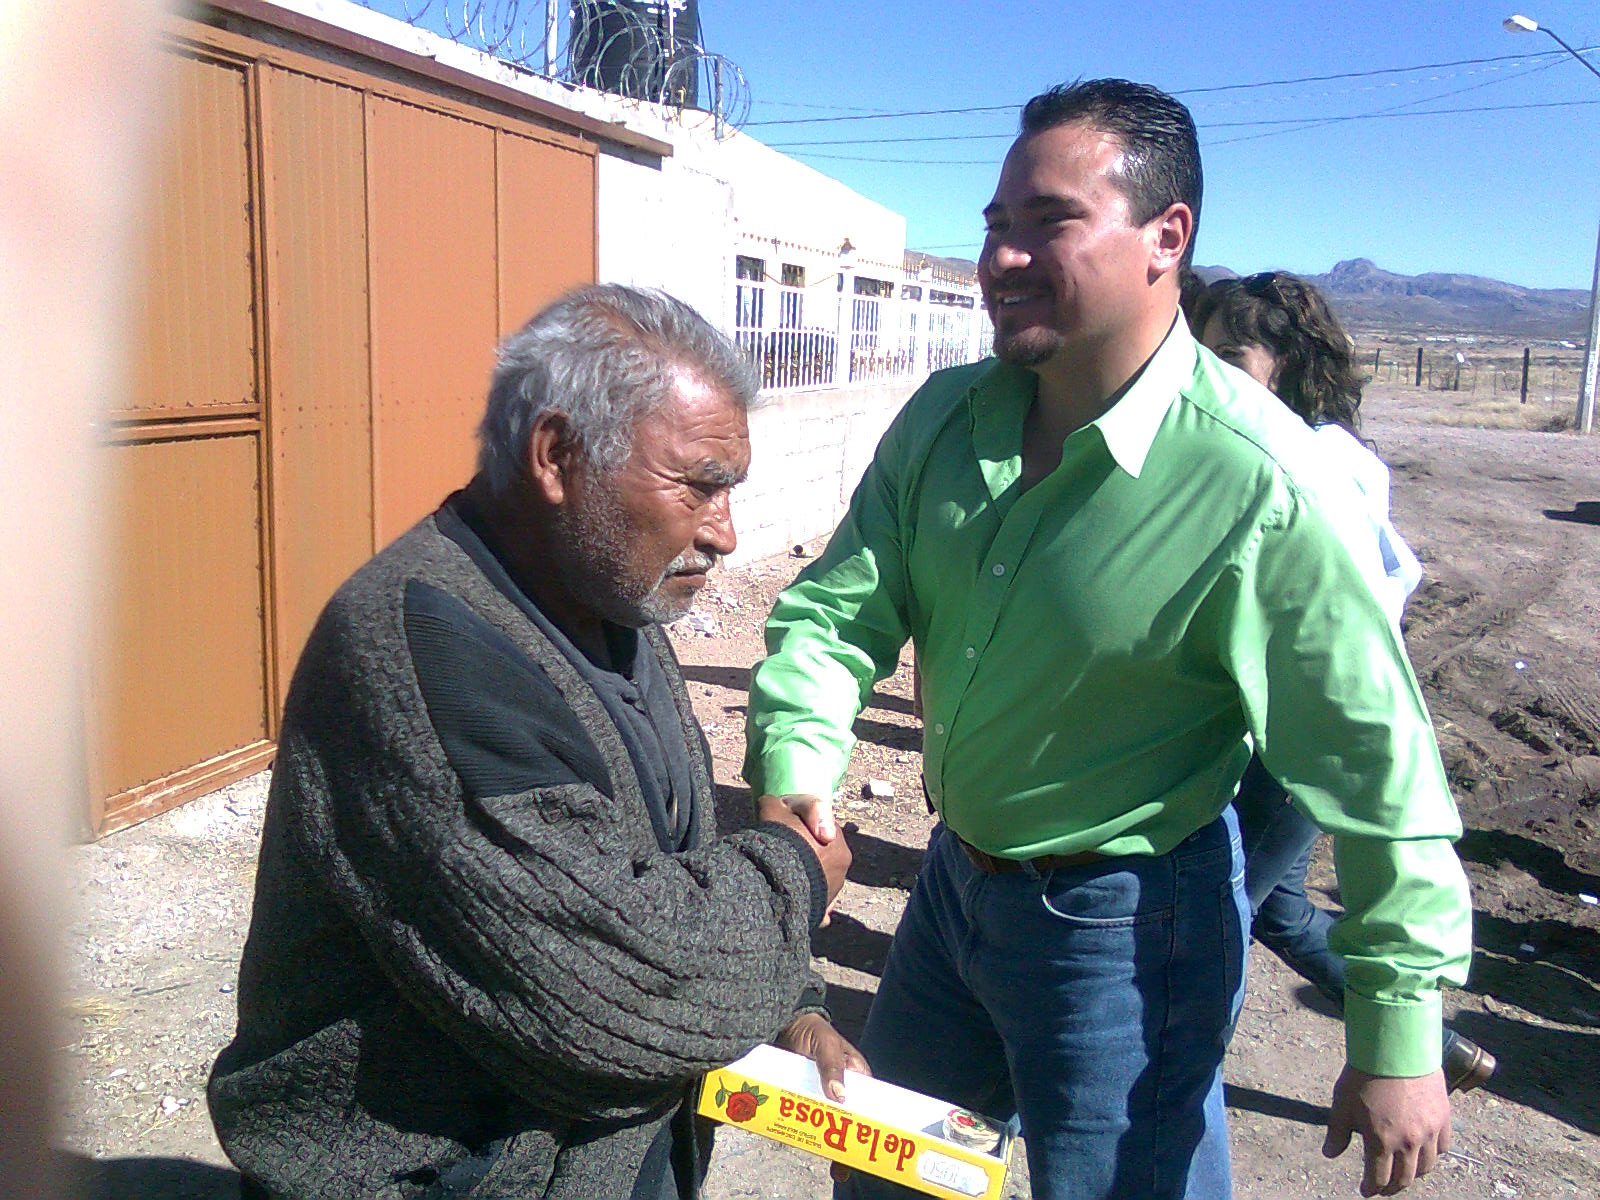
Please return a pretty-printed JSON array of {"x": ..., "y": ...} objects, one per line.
[
  {"x": 1116, "y": 558},
  {"x": 495, "y": 941}
]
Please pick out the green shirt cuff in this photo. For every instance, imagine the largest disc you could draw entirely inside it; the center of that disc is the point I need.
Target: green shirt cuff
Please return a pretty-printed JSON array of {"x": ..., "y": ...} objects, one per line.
[
  {"x": 795, "y": 770},
  {"x": 1384, "y": 1038}
]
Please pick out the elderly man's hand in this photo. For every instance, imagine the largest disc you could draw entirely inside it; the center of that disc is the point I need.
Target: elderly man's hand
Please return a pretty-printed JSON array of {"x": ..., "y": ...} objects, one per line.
[
  {"x": 814, "y": 1036},
  {"x": 816, "y": 812},
  {"x": 834, "y": 854},
  {"x": 1404, "y": 1126}
]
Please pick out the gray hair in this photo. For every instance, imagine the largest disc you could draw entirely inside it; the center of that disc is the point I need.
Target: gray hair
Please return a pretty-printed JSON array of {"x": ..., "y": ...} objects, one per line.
[{"x": 603, "y": 357}]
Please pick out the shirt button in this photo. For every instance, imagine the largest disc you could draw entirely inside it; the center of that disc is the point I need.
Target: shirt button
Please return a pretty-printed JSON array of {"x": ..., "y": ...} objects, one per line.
[
  {"x": 939, "y": 729},
  {"x": 972, "y": 652},
  {"x": 999, "y": 568}
]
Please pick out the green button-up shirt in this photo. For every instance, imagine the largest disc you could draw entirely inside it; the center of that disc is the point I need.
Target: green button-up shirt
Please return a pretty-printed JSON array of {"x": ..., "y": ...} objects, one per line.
[{"x": 1096, "y": 650}]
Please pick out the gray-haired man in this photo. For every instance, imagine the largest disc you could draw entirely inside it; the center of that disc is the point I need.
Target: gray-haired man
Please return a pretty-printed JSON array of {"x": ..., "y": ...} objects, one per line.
[{"x": 495, "y": 940}]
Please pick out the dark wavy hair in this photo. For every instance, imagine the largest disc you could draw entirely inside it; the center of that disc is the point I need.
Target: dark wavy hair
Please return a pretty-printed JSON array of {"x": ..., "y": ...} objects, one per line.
[{"x": 1291, "y": 318}]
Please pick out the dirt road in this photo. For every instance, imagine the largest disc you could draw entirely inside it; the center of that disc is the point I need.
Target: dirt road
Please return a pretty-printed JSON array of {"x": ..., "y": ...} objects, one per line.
[{"x": 1504, "y": 638}]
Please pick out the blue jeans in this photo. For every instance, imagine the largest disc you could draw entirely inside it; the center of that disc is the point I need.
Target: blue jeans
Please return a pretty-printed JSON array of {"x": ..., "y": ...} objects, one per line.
[
  {"x": 1093, "y": 1002},
  {"x": 1278, "y": 840}
]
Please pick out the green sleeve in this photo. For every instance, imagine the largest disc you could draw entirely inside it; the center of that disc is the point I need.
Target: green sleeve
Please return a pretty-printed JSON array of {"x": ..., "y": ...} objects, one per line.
[
  {"x": 832, "y": 634},
  {"x": 1338, "y": 719}
]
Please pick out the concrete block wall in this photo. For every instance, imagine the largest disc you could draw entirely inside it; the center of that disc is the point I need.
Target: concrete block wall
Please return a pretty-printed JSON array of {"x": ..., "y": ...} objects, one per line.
[{"x": 809, "y": 449}]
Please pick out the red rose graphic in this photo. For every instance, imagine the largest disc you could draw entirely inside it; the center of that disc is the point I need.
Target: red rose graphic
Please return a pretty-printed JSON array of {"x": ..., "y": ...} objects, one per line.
[{"x": 741, "y": 1105}]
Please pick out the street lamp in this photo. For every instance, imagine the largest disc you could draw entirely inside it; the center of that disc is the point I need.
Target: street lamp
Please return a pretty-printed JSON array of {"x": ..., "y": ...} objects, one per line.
[{"x": 1517, "y": 23}]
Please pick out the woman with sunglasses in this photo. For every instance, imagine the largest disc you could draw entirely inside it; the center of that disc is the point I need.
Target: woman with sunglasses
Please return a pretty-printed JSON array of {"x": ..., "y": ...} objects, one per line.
[{"x": 1278, "y": 329}]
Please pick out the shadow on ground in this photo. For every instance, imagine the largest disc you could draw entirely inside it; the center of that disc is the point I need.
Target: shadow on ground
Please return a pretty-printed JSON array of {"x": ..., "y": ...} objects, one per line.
[
  {"x": 877, "y": 862},
  {"x": 1552, "y": 1070},
  {"x": 735, "y": 679},
  {"x": 1269, "y": 1105},
  {"x": 847, "y": 942},
  {"x": 1547, "y": 967},
  {"x": 1584, "y": 512},
  {"x": 848, "y": 1007},
  {"x": 1493, "y": 847},
  {"x": 147, "y": 1179}
]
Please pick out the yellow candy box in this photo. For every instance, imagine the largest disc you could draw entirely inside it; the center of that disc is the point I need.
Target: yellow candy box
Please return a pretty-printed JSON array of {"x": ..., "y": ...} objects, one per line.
[{"x": 881, "y": 1129}]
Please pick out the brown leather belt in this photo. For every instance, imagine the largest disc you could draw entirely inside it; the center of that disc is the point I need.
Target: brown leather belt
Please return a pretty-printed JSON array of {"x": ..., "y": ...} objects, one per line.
[{"x": 990, "y": 865}]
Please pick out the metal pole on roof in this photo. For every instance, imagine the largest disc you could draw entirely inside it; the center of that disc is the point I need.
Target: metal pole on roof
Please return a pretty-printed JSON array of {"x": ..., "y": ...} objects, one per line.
[{"x": 550, "y": 13}]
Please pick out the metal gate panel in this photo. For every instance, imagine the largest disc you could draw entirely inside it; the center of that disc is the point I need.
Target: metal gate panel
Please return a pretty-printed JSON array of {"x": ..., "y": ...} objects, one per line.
[
  {"x": 194, "y": 332},
  {"x": 546, "y": 217},
  {"x": 178, "y": 638},
  {"x": 318, "y": 405},
  {"x": 431, "y": 248}
]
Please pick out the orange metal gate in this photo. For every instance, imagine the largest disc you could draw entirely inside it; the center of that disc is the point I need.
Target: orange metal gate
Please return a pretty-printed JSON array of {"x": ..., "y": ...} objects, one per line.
[{"x": 334, "y": 252}]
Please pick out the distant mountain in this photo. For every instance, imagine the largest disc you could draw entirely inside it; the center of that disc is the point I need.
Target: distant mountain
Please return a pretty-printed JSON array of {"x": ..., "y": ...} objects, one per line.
[{"x": 1368, "y": 297}]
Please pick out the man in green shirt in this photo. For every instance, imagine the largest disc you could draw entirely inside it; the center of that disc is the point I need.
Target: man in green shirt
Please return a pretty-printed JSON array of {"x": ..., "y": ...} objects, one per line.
[{"x": 1117, "y": 558}]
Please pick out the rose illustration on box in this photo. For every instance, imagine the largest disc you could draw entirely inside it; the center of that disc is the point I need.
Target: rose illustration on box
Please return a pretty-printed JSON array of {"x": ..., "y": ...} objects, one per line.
[{"x": 740, "y": 1105}]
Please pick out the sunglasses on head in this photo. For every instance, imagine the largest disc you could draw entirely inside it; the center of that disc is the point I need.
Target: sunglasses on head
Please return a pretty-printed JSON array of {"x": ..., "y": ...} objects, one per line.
[{"x": 1264, "y": 286}]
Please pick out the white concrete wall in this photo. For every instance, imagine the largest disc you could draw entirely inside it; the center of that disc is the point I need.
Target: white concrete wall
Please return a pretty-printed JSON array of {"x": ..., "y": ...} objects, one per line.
[
  {"x": 776, "y": 196},
  {"x": 808, "y": 452},
  {"x": 665, "y": 225}
]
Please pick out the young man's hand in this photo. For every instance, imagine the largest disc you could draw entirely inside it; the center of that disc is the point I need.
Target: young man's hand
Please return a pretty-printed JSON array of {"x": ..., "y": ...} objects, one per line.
[
  {"x": 816, "y": 812},
  {"x": 1404, "y": 1125}
]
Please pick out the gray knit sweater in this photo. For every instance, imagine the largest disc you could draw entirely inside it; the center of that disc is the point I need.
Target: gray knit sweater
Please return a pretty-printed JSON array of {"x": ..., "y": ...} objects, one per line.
[{"x": 465, "y": 931}]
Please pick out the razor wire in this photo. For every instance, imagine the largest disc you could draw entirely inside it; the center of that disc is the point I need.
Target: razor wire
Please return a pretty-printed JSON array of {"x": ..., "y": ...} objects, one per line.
[{"x": 598, "y": 44}]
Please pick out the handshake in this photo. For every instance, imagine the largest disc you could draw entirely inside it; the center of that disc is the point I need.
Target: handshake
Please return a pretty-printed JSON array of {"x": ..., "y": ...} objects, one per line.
[{"x": 812, "y": 818}]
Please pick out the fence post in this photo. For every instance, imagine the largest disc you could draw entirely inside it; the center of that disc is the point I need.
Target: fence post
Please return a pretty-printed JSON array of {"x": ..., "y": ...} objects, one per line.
[
  {"x": 842, "y": 359},
  {"x": 1419, "y": 366},
  {"x": 1377, "y": 357},
  {"x": 1525, "y": 353},
  {"x": 925, "y": 323}
]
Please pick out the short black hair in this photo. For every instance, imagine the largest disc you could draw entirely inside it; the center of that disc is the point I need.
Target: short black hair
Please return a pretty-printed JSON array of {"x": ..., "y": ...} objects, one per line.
[{"x": 1160, "y": 148}]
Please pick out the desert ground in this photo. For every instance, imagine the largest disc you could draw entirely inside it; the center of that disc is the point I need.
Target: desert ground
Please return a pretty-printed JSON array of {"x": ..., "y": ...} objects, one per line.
[{"x": 1503, "y": 635}]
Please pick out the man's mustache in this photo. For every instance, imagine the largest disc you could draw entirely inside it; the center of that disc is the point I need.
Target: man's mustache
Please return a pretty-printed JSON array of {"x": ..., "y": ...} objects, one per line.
[{"x": 693, "y": 563}]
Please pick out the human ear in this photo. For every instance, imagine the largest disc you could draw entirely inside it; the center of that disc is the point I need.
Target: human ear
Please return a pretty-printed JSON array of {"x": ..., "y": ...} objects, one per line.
[
  {"x": 552, "y": 456},
  {"x": 1170, "y": 234}
]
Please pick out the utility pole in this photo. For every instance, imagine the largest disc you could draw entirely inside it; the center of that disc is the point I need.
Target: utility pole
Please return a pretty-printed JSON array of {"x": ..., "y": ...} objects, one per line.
[
  {"x": 1519, "y": 23},
  {"x": 1591, "y": 358}
]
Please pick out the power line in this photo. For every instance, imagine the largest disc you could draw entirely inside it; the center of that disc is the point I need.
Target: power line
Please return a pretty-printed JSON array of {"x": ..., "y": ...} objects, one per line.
[
  {"x": 1195, "y": 91},
  {"x": 1299, "y": 124},
  {"x": 1318, "y": 123},
  {"x": 1255, "y": 124},
  {"x": 923, "y": 162}
]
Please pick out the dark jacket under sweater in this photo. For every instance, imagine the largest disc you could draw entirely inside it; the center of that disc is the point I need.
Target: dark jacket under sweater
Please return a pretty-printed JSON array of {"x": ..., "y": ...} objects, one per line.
[{"x": 465, "y": 932}]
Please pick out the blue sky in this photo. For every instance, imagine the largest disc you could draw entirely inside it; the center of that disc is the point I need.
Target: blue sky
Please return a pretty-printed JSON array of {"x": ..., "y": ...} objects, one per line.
[{"x": 1512, "y": 193}]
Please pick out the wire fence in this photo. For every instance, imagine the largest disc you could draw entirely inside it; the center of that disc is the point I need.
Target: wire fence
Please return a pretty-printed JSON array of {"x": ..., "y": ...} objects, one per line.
[
  {"x": 635, "y": 48},
  {"x": 1553, "y": 373}
]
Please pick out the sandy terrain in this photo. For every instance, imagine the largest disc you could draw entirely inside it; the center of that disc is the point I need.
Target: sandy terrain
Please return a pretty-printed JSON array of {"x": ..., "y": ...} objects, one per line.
[{"x": 1503, "y": 636}]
